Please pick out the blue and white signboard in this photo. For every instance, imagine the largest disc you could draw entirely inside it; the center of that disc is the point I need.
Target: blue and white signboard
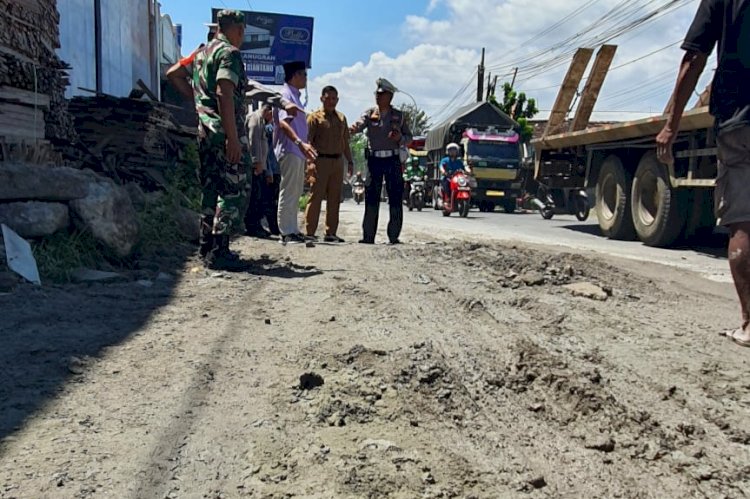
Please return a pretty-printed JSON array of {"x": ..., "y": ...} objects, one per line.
[{"x": 271, "y": 40}]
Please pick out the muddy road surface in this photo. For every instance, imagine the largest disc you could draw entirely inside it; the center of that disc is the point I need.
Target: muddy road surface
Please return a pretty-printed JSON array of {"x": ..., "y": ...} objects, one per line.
[{"x": 463, "y": 368}]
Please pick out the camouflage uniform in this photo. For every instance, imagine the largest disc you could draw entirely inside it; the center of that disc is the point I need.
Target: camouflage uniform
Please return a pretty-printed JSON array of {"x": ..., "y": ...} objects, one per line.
[{"x": 223, "y": 184}]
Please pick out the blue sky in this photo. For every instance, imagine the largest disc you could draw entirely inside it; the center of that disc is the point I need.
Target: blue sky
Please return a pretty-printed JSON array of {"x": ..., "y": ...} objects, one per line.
[
  {"x": 430, "y": 48},
  {"x": 345, "y": 31}
]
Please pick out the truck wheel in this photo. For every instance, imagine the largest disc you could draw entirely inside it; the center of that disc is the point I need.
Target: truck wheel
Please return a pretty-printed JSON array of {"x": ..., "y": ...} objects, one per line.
[
  {"x": 509, "y": 206},
  {"x": 613, "y": 200},
  {"x": 658, "y": 209}
]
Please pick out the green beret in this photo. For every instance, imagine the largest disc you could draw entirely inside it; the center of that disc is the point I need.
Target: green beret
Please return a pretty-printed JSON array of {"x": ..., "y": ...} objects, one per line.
[{"x": 228, "y": 16}]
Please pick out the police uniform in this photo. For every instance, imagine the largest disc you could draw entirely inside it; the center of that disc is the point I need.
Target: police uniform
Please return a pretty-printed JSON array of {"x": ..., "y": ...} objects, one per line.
[
  {"x": 223, "y": 184},
  {"x": 328, "y": 133},
  {"x": 383, "y": 162}
]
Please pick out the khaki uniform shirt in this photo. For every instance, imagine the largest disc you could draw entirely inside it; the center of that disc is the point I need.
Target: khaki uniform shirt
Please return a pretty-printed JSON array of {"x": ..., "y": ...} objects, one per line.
[{"x": 328, "y": 133}]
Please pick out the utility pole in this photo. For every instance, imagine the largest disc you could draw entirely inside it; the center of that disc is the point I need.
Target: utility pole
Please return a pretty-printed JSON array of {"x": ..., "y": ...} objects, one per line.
[
  {"x": 513, "y": 81},
  {"x": 480, "y": 79},
  {"x": 489, "y": 87}
]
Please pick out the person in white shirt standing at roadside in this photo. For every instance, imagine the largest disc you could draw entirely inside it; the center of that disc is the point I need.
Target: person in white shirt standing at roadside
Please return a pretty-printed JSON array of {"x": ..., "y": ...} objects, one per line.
[{"x": 292, "y": 151}]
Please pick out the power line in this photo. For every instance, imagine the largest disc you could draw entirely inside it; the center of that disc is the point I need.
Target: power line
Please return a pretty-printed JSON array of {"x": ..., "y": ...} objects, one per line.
[{"x": 625, "y": 17}]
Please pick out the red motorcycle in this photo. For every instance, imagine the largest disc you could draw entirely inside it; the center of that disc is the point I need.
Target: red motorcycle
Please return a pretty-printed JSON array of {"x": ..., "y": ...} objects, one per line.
[{"x": 459, "y": 198}]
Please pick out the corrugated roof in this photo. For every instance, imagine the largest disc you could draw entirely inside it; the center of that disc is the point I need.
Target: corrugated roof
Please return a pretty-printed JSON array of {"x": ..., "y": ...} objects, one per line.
[{"x": 479, "y": 114}]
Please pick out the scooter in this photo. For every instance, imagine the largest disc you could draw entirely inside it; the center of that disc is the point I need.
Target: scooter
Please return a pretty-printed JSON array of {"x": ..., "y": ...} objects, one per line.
[
  {"x": 358, "y": 191},
  {"x": 416, "y": 193},
  {"x": 459, "y": 198}
]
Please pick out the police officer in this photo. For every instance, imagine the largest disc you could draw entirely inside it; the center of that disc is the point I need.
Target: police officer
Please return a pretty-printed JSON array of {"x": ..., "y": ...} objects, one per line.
[{"x": 387, "y": 132}]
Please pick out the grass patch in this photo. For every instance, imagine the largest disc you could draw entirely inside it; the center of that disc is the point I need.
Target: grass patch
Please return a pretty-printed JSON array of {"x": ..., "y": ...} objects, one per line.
[
  {"x": 304, "y": 201},
  {"x": 182, "y": 180},
  {"x": 159, "y": 235},
  {"x": 61, "y": 253},
  {"x": 158, "y": 232}
]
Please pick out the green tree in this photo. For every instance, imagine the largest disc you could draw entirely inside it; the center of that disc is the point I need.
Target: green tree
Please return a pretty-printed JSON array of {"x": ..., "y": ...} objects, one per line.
[
  {"x": 519, "y": 107},
  {"x": 358, "y": 143},
  {"x": 418, "y": 120}
]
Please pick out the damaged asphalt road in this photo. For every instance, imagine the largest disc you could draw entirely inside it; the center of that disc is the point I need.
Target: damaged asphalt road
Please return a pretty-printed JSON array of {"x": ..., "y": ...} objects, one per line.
[{"x": 436, "y": 369}]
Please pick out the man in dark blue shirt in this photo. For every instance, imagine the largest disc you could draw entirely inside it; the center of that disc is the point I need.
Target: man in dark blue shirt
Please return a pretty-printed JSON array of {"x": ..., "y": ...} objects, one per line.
[
  {"x": 725, "y": 23},
  {"x": 448, "y": 166}
]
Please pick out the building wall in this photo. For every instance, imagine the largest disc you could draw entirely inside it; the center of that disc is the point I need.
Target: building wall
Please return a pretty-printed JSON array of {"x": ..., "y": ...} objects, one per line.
[
  {"x": 77, "y": 41},
  {"x": 170, "y": 48},
  {"x": 128, "y": 47}
]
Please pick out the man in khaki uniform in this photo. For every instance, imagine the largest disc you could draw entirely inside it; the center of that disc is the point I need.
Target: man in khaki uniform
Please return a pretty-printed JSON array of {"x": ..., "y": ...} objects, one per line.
[{"x": 328, "y": 133}]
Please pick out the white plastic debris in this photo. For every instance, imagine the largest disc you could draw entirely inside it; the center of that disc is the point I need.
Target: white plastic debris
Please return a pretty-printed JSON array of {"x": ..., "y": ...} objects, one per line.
[{"x": 19, "y": 255}]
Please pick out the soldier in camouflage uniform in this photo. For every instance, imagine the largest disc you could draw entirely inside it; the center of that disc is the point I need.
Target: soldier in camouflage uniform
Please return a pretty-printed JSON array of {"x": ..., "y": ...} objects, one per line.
[
  {"x": 215, "y": 71},
  {"x": 219, "y": 85}
]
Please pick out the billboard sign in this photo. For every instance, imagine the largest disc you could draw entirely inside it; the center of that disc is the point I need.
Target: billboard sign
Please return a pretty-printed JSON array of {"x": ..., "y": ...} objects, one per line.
[{"x": 271, "y": 40}]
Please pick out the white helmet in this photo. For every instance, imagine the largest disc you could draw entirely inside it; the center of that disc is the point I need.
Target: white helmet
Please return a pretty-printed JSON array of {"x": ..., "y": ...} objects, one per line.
[{"x": 450, "y": 146}]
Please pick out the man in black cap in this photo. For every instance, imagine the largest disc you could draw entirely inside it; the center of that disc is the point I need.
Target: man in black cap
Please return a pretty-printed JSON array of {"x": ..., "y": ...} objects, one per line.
[
  {"x": 387, "y": 131},
  {"x": 292, "y": 151}
]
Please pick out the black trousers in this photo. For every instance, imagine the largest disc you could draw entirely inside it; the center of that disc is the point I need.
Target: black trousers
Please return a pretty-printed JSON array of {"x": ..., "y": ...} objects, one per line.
[
  {"x": 254, "y": 213},
  {"x": 390, "y": 170}
]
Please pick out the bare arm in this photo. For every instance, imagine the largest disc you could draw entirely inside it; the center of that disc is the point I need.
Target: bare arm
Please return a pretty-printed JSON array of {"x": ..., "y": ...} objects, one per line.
[
  {"x": 359, "y": 125},
  {"x": 288, "y": 130},
  {"x": 178, "y": 77},
  {"x": 309, "y": 151},
  {"x": 224, "y": 93},
  {"x": 691, "y": 68}
]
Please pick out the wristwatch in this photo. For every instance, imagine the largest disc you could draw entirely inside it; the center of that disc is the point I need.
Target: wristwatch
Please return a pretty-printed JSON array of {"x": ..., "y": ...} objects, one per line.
[{"x": 297, "y": 142}]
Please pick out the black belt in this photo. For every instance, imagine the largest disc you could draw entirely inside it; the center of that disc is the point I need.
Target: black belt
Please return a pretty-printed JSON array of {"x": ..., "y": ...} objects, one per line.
[{"x": 329, "y": 156}]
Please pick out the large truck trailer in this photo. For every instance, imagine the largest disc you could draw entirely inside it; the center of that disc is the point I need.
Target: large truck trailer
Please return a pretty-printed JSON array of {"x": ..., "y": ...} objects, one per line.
[{"x": 637, "y": 196}]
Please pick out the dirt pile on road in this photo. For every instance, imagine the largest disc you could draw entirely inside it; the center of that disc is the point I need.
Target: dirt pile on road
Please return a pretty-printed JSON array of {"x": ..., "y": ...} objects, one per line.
[{"x": 427, "y": 370}]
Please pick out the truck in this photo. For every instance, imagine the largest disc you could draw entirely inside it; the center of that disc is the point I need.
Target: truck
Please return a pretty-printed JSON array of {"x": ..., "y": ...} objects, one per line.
[
  {"x": 491, "y": 148},
  {"x": 637, "y": 196}
]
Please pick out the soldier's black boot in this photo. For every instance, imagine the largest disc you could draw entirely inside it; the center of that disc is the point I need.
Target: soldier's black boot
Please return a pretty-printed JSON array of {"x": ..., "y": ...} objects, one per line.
[
  {"x": 223, "y": 259},
  {"x": 206, "y": 244}
]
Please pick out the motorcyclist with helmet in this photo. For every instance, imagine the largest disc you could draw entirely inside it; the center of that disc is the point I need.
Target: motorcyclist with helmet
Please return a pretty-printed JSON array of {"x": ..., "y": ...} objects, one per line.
[
  {"x": 413, "y": 169},
  {"x": 450, "y": 165}
]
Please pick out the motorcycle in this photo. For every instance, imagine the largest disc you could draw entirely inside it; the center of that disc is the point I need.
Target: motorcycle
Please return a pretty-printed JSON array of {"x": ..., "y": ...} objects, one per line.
[
  {"x": 459, "y": 198},
  {"x": 416, "y": 193},
  {"x": 358, "y": 191},
  {"x": 577, "y": 203}
]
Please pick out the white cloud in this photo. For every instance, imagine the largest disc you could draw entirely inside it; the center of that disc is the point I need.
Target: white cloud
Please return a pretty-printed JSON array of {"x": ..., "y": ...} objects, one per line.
[
  {"x": 428, "y": 72},
  {"x": 444, "y": 52},
  {"x": 433, "y": 5}
]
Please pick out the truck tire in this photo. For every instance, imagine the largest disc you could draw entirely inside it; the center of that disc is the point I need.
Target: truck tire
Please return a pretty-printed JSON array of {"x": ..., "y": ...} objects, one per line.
[
  {"x": 658, "y": 209},
  {"x": 613, "y": 190}
]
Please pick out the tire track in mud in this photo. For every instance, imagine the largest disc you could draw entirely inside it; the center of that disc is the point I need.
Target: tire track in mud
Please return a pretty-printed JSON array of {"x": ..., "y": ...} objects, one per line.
[
  {"x": 582, "y": 390},
  {"x": 166, "y": 458}
]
